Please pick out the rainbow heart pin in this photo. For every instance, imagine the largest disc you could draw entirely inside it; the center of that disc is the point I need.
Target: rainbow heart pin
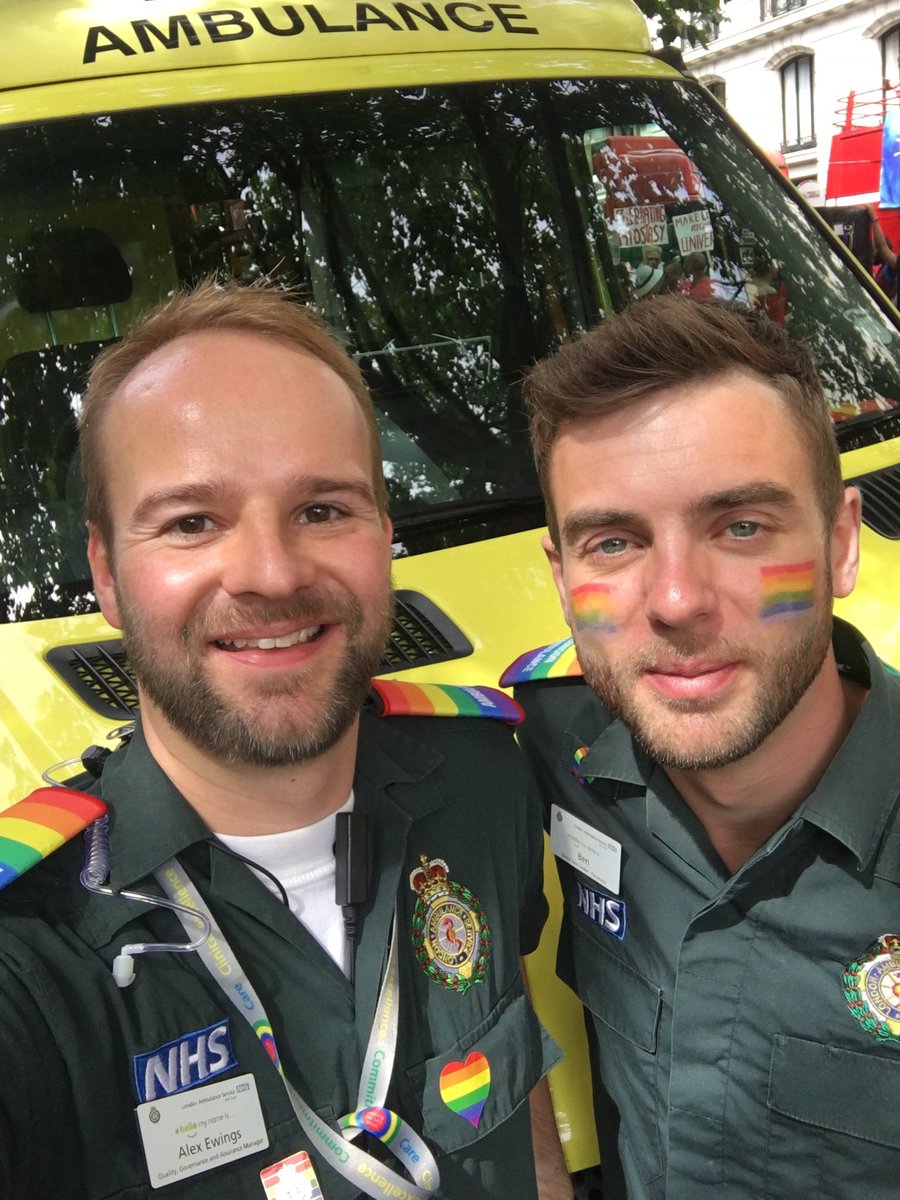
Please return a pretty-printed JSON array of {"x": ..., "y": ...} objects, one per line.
[{"x": 465, "y": 1086}]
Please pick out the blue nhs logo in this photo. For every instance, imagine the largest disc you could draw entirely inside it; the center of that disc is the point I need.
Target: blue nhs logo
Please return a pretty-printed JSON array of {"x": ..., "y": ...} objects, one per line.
[
  {"x": 184, "y": 1063},
  {"x": 605, "y": 911}
]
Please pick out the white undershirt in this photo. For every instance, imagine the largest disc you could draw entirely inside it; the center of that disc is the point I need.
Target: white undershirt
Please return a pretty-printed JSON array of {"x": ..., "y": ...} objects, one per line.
[{"x": 302, "y": 860}]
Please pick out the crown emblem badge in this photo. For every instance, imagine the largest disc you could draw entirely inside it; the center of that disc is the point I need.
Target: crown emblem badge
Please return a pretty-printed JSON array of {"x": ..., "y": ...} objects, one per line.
[
  {"x": 451, "y": 934},
  {"x": 872, "y": 988}
]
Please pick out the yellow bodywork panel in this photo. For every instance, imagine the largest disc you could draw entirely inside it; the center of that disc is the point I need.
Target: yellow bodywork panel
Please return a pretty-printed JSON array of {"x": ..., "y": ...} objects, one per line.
[{"x": 92, "y": 40}]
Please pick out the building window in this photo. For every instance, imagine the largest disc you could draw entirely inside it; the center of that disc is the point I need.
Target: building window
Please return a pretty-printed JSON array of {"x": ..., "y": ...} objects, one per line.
[
  {"x": 717, "y": 87},
  {"x": 774, "y": 8},
  {"x": 797, "y": 103},
  {"x": 890, "y": 56}
]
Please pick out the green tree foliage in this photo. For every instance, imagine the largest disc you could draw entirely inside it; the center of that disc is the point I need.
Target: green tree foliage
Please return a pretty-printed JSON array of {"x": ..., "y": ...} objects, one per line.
[{"x": 694, "y": 22}]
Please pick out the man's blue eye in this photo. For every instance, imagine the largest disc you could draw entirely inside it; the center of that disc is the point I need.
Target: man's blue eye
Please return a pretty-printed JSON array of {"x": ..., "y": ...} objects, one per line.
[{"x": 743, "y": 529}]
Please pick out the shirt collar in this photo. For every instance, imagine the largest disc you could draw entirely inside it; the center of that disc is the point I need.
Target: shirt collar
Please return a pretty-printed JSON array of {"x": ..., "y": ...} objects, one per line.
[
  {"x": 616, "y": 755},
  {"x": 390, "y": 757},
  {"x": 150, "y": 821},
  {"x": 859, "y": 789}
]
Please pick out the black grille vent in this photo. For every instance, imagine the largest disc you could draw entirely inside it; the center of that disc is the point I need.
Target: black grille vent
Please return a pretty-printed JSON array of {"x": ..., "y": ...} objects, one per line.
[
  {"x": 98, "y": 671},
  {"x": 881, "y": 501}
]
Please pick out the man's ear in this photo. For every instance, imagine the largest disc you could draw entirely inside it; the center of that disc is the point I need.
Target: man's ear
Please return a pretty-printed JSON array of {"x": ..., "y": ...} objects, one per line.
[
  {"x": 553, "y": 557},
  {"x": 102, "y": 573},
  {"x": 845, "y": 543}
]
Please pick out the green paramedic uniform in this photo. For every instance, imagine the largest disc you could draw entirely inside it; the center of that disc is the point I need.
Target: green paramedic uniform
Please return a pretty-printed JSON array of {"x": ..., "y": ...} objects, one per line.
[
  {"x": 75, "y": 1045},
  {"x": 742, "y": 1043}
]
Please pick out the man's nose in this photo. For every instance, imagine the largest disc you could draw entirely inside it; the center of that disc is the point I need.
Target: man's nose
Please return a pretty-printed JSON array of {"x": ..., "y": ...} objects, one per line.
[
  {"x": 680, "y": 588},
  {"x": 266, "y": 557}
]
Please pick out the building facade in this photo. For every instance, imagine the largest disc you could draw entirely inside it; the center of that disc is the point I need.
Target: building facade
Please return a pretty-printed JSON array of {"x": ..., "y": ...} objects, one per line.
[{"x": 784, "y": 69}]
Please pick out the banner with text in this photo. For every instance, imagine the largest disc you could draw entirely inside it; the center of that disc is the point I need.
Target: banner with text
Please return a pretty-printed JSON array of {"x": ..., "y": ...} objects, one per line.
[
  {"x": 693, "y": 231},
  {"x": 642, "y": 225}
]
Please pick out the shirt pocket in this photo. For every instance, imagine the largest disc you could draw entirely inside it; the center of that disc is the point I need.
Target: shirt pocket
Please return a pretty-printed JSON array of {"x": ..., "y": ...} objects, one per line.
[
  {"x": 518, "y": 1052},
  {"x": 833, "y": 1120},
  {"x": 617, "y": 994},
  {"x": 626, "y": 1009}
]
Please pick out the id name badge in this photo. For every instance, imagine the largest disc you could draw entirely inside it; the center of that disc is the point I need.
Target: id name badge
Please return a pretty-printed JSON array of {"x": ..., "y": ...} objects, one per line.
[
  {"x": 291, "y": 1179},
  {"x": 589, "y": 851},
  {"x": 200, "y": 1129}
]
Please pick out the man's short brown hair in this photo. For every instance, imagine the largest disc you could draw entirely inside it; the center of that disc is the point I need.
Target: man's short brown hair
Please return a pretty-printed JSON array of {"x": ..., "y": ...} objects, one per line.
[
  {"x": 666, "y": 343},
  {"x": 261, "y": 308}
]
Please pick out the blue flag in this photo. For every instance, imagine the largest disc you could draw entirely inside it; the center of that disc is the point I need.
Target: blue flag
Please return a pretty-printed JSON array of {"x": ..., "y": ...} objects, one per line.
[{"x": 890, "y": 161}]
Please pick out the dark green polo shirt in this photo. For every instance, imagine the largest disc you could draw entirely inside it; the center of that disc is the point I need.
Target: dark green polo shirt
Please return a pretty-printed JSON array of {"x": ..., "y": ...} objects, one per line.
[
  {"x": 725, "y": 1053},
  {"x": 444, "y": 788}
]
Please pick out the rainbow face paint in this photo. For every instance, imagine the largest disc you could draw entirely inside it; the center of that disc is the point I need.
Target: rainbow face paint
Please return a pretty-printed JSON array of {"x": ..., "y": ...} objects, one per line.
[
  {"x": 787, "y": 590},
  {"x": 591, "y": 608}
]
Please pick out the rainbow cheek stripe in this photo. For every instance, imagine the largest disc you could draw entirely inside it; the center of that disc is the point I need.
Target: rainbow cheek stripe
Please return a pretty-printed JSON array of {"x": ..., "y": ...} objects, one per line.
[
  {"x": 787, "y": 590},
  {"x": 592, "y": 608}
]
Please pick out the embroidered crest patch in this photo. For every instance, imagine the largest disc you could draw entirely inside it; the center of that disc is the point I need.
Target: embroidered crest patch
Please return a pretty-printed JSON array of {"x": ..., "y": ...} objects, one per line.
[
  {"x": 451, "y": 934},
  {"x": 872, "y": 988}
]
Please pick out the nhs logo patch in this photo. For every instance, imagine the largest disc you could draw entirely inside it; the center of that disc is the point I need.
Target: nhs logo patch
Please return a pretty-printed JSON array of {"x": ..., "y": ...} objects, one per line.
[
  {"x": 606, "y": 911},
  {"x": 184, "y": 1063}
]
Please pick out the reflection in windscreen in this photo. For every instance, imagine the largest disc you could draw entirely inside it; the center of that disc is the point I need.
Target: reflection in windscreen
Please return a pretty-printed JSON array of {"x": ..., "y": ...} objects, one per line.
[
  {"x": 449, "y": 237},
  {"x": 683, "y": 211}
]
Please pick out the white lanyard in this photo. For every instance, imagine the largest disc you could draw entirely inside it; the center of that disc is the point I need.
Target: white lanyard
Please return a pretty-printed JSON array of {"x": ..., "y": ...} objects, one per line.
[{"x": 362, "y": 1169}]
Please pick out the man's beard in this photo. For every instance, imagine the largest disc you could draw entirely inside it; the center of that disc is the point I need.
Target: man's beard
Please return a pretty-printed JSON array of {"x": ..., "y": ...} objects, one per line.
[
  {"x": 663, "y": 727},
  {"x": 243, "y": 731}
]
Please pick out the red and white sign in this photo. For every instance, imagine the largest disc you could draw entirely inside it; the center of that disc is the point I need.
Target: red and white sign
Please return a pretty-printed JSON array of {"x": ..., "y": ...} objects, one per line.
[
  {"x": 641, "y": 225},
  {"x": 693, "y": 231}
]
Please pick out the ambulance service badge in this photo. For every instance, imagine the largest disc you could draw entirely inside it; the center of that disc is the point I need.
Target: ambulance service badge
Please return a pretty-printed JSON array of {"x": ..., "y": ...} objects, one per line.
[
  {"x": 872, "y": 988},
  {"x": 451, "y": 934}
]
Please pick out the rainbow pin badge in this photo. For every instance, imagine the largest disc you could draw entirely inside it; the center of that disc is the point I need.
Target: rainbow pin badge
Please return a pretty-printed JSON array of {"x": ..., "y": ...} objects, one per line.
[
  {"x": 33, "y": 828},
  {"x": 465, "y": 1086},
  {"x": 577, "y": 759},
  {"x": 263, "y": 1031}
]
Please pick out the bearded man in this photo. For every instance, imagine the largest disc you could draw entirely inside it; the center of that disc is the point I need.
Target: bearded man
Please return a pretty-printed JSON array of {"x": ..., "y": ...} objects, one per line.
[
  {"x": 719, "y": 762},
  {"x": 322, "y": 1034}
]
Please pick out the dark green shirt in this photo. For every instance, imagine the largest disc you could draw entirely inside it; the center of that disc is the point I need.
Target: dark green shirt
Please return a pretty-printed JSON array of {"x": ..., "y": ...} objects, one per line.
[
  {"x": 442, "y": 788},
  {"x": 727, "y": 1061}
]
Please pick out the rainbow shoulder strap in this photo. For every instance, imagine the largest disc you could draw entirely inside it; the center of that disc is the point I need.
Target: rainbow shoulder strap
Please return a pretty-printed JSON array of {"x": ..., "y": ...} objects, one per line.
[
  {"x": 33, "y": 828},
  {"x": 397, "y": 698},
  {"x": 556, "y": 661}
]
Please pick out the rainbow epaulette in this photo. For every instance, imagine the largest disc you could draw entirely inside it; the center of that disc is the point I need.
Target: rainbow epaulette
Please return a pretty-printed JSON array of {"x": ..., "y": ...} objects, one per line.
[
  {"x": 556, "y": 661},
  {"x": 33, "y": 828},
  {"x": 395, "y": 698}
]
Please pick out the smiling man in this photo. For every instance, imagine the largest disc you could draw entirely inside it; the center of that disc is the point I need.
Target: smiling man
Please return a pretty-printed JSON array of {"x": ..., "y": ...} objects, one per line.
[
  {"x": 720, "y": 763},
  {"x": 352, "y": 1018}
]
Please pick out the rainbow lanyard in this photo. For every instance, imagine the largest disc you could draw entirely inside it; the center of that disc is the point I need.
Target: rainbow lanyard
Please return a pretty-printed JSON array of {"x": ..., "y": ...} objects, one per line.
[{"x": 362, "y": 1169}]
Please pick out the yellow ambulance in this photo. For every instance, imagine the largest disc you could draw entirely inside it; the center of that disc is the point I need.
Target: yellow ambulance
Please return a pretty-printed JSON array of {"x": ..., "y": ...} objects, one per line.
[{"x": 458, "y": 186}]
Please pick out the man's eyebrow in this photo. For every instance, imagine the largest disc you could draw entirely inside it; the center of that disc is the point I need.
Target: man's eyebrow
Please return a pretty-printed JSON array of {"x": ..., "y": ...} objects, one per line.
[
  {"x": 193, "y": 494},
  {"x": 761, "y": 491},
  {"x": 200, "y": 495},
  {"x": 585, "y": 520}
]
